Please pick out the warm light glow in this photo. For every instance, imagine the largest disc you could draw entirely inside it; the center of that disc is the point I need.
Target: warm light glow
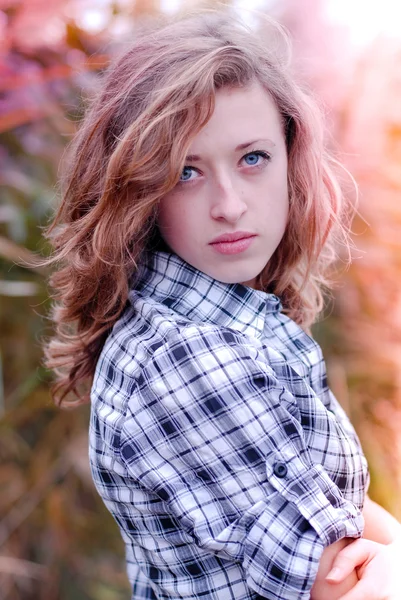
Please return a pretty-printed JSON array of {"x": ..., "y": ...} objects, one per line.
[
  {"x": 247, "y": 8},
  {"x": 366, "y": 19},
  {"x": 170, "y": 6}
]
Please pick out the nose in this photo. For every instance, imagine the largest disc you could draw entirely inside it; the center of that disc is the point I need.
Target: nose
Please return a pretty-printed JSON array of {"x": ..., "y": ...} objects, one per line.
[{"x": 227, "y": 202}]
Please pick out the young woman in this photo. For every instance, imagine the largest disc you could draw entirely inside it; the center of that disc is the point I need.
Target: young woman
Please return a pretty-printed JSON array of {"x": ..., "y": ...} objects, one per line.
[{"x": 198, "y": 221}]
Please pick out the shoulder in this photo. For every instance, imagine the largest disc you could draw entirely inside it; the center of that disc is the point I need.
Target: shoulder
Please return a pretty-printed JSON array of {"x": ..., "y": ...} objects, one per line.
[
  {"x": 188, "y": 340},
  {"x": 202, "y": 359},
  {"x": 151, "y": 343},
  {"x": 148, "y": 329}
]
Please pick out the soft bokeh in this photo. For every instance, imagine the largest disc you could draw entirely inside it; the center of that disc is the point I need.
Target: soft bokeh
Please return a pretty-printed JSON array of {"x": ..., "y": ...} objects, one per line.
[{"x": 56, "y": 538}]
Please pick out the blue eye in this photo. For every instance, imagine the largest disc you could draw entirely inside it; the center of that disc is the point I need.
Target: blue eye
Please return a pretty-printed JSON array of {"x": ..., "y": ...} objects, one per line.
[
  {"x": 186, "y": 173},
  {"x": 252, "y": 158}
]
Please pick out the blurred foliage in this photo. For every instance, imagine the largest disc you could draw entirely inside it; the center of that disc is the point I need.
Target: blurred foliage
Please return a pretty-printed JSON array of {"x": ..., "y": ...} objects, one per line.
[{"x": 57, "y": 540}]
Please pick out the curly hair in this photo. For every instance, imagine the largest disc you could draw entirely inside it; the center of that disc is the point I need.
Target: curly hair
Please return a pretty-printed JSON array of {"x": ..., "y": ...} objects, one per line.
[{"x": 129, "y": 152}]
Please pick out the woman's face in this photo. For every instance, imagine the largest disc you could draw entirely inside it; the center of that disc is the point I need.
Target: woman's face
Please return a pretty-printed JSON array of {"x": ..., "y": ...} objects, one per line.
[{"x": 234, "y": 184}]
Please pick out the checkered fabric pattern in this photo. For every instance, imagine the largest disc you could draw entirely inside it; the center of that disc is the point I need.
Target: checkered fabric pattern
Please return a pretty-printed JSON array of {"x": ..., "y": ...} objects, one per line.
[{"x": 216, "y": 444}]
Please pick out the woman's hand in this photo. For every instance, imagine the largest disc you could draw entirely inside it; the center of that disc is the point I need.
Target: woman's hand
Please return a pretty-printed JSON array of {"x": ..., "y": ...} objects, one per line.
[
  {"x": 378, "y": 568},
  {"x": 323, "y": 589}
]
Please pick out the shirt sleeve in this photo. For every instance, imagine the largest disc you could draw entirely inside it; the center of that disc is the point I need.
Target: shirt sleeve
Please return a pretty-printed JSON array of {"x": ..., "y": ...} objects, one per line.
[
  {"x": 213, "y": 432},
  {"x": 361, "y": 480}
]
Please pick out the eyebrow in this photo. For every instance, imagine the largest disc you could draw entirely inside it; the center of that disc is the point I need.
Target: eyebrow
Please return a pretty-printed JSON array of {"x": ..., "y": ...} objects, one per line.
[{"x": 195, "y": 157}]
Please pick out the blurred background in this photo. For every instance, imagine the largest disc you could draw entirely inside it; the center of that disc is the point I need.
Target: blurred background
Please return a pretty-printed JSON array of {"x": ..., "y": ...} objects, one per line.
[{"x": 57, "y": 541}]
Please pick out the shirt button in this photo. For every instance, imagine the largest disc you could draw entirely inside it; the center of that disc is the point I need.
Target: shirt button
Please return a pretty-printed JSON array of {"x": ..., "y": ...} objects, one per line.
[{"x": 280, "y": 469}]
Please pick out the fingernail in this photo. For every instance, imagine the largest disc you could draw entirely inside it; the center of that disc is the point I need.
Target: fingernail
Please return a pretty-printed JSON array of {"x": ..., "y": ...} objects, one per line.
[{"x": 335, "y": 573}]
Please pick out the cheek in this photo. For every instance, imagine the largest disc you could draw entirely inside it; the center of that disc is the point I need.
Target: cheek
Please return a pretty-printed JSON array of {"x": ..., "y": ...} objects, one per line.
[
  {"x": 173, "y": 219},
  {"x": 167, "y": 214},
  {"x": 281, "y": 192},
  {"x": 273, "y": 197}
]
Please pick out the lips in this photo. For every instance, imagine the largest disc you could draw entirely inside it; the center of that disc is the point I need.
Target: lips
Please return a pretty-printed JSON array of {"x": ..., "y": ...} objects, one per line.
[
  {"x": 232, "y": 237},
  {"x": 233, "y": 243}
]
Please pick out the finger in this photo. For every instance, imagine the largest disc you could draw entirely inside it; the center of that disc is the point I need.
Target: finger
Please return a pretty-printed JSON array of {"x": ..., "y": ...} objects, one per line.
[
  {"x": 350, "y": 557},
  {"x": 362, "y": 591}
]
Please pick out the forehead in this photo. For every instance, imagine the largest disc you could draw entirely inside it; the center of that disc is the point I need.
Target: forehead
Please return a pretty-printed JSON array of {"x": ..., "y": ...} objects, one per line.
[{"x": 240, "y": 115}]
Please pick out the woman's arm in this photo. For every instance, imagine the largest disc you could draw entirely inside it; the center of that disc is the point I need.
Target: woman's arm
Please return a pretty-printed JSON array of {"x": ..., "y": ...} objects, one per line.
[
  {"x": 210, "y": 434},
  {"x": 380, "y": 525},
  {"x": 375, "y": 558},
  {"x": 378, "y": 570},
  {"x": 322, "y": 589}
]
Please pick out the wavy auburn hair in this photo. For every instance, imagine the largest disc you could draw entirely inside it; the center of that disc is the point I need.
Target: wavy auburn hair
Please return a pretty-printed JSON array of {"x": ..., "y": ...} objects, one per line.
[{"x": 129, "y": 152}]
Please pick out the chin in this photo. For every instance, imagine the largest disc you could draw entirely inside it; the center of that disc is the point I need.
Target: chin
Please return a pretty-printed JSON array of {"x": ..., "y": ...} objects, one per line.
[{"x": 246, "y": 278}]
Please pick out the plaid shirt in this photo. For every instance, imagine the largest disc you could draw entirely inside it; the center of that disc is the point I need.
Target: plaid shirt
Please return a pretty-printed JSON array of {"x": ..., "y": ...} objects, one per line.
[{"x": 216, "y": 444}]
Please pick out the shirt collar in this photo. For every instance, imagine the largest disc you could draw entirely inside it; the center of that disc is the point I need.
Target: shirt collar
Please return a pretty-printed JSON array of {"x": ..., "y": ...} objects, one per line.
[{"x": 191, "y": 293}]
